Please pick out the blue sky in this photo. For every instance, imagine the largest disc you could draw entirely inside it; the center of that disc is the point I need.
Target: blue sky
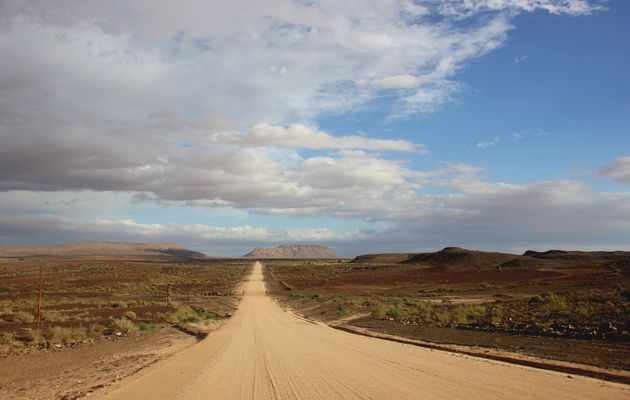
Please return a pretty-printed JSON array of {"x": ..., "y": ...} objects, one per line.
[{"x": 391, "y": 125}]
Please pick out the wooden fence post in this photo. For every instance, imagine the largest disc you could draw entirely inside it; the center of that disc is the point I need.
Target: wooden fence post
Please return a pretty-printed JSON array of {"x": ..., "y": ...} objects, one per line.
[{"x": 39, "y": 300}]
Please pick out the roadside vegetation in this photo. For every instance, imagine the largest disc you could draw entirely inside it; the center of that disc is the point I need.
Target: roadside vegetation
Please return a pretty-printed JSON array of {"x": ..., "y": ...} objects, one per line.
[
  {"x": 87, "y": 301},
  {"x": 394, "y": 298}
]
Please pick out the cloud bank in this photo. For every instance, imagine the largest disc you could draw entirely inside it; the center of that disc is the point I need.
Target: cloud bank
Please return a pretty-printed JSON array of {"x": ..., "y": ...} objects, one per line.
[{"x": 202, "y": 104}]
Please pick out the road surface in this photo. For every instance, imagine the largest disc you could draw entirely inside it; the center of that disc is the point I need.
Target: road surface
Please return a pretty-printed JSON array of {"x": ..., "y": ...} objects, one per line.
[{"x": 263, "y": 352}]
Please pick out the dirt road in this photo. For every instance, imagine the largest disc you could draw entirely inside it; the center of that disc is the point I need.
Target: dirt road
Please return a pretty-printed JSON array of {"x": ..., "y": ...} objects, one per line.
[{"x": 264, "y": 352}]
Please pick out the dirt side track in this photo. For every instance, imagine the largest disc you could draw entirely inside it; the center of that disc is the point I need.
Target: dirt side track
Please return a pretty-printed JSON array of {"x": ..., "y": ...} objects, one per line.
[{"x": 264, "y": 352}]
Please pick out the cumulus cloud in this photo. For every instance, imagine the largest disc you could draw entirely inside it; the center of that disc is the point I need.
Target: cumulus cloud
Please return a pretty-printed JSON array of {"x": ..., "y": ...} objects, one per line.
[
  {"x": 619, "y": 170},
  {"x": 474, "y": 213},
  {"x": 402, "y": 81},
  {"x": 466, "y": 8},
  {"x": 299, "y": 136},
  {"x": 217, "y": 240},
  {"x": 295, "y": 60},
  {"x": 143, "y": 101}
]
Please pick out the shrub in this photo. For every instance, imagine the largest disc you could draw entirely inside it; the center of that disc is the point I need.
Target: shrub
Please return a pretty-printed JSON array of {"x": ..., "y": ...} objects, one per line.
[
  {"x": 441, "y": 315},
  {"x": 424, "y": 310},
  {"x": 342, "y": 310},
  {"x": 6, "y": 338},
  {"x": 496, "y": 315},
  {"x": 393, "y": 312},
  {"x": 583, "y": 310},
  {"x": 23, "y": 316},
  {"x": 118, "y": 304},
  {"x": 185, "y": 314},
  {"x": 476, "y": 312},
  {"x": 55, "y": 316},
  {"x": 550, "y": 303},
  {"x": 130, "y": 315},
  {"x": 146, "y": 326},
  {"x": 123, "y": 325},
  {"x": 30, "y": 335},
  {"x": 460, "y": 315},
  {"x": 465, "y": 314},
  {"x": 378, "y": 311},
  {"x": 96, "y": 330},
  {"x": 58, "y": 334}
]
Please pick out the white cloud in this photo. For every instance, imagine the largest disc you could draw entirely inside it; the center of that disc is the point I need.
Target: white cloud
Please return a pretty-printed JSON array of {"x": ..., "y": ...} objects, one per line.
[
  {"x": 100, "y": 102},
  {"x": 90, "y": 60},
  {"x": 485, "y": 145},
  {"x": 619, "y": 170},
  {"x": 215, "y": 240},
  {"x": 299, "y": 136},
  {"x": 514, "y": 137},
  {"x": 474, "y": 213},
  {"x": 520, "y": 59},
  {"x": 402, "y": 81},
  {"x": 468, "y": 7}
]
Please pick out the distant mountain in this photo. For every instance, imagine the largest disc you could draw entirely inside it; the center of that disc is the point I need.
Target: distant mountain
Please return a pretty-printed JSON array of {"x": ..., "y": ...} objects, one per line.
[
  {"x": 455, "y": 258},
  {"x": 294, "y": 251},
  {"x": 102, "y": 250}
]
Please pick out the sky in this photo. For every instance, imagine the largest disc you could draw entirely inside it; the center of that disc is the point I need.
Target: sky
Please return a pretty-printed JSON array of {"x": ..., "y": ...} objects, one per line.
[{"x": 366, "y": 126}]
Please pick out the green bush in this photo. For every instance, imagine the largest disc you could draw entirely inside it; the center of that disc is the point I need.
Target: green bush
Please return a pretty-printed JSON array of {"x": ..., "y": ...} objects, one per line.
[
  {"x": 146, "y": 326},
  {"x": 130, "y": 315},
  {"x": 185, "y": 314},
  {"x": 123, "y": 325},
  {"x": 465, "y": 314},
  {"x": 583, "y": 310},
  {"x": 495, "y": 315},
  {"x": 441, "y": 315},
  {"x": 460, "y": 315},
  {"x": 118, "y": 304},
  {"x": 424, "y": 310},
  {"x": 59, "y": 334},
  {"x": 550, "y": 303},
  {"x": 31, "y": 335},
  {"x": 476, "y": 312},
  {"x": 393, "y": 312},
  {"x": 378, "y": 311},
  {"x": 96, "y": 330}
]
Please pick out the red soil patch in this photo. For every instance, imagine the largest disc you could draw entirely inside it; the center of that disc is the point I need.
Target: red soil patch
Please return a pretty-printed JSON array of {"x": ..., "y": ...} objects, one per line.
[{"x": 437, "y": 276}]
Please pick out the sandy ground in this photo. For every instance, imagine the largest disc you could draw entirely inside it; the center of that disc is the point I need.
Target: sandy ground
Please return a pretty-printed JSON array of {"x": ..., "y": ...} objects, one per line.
[
  {"x": 76, "y": 372},
  {"x": 264, "y": 352}
]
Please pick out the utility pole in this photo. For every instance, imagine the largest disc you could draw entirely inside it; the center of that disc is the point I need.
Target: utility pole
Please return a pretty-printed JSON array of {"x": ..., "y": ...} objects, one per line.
[{"x": 39, "y": 299}]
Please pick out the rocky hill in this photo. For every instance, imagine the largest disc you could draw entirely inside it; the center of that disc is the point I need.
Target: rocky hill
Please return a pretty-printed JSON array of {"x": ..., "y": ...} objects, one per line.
[
  {"x": 454, "y": 258},
  {"x": 294, "y": 251}
]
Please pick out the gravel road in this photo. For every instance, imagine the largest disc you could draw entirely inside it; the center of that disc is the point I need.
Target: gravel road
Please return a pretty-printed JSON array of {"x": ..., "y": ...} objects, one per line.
[{"x": 264, "y": 352}]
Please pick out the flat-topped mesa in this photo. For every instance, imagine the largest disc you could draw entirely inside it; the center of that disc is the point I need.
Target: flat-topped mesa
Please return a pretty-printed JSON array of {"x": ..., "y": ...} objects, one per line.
[
  {"x": 294, "y": 251},
  {"x": 102, "y": 249}
]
